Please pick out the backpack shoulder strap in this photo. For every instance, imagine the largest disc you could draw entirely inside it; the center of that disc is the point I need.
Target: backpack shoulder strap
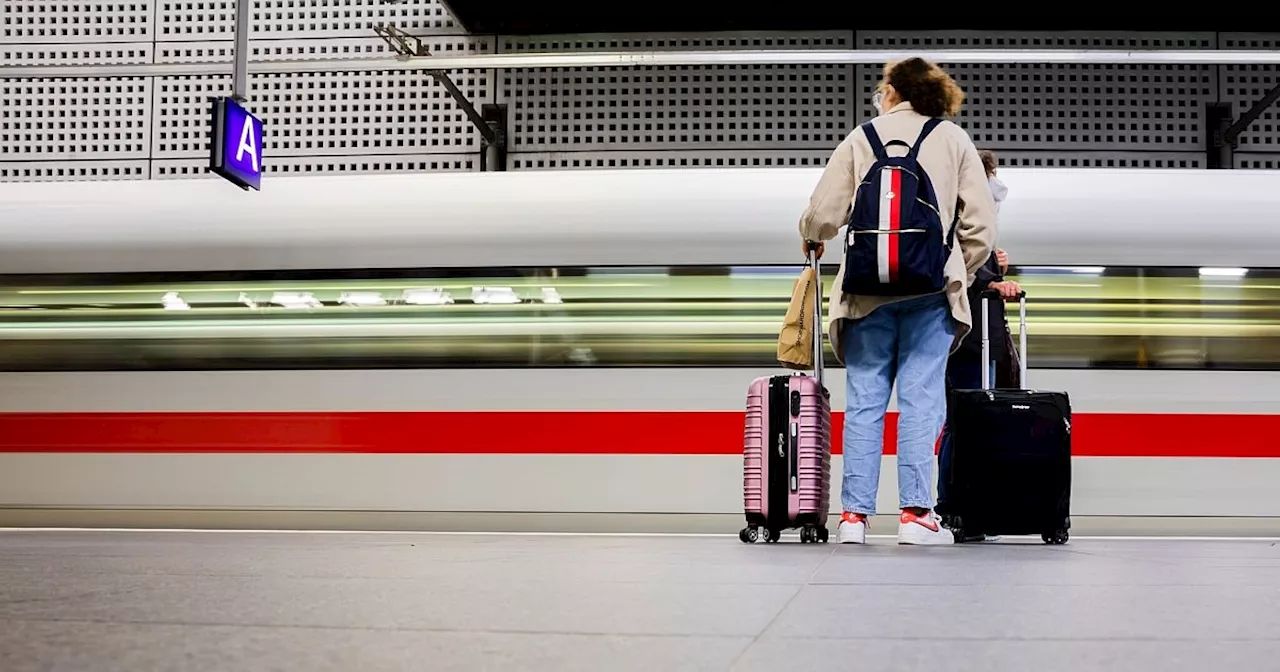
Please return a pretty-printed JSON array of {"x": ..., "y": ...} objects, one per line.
[
  {"x": 873, "y": 139},
  {"x": 924, "y": 133},
  {"x": 955, "y": 221}
]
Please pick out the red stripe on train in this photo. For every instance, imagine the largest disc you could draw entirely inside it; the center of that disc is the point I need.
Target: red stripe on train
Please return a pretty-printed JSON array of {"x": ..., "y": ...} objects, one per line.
[{"x": 573, "y": 432}]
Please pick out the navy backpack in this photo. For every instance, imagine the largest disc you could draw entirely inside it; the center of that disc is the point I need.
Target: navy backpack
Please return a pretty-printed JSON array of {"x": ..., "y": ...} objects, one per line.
[{"x": 895, "y": 246}]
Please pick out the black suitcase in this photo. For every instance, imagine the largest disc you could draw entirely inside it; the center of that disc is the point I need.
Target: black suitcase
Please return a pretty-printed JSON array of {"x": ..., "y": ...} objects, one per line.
[{"x": 1010, "y": 467}]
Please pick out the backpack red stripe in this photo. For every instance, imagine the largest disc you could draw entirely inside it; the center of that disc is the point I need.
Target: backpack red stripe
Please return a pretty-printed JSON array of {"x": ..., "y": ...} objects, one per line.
[{"x": 895, "y": 222}]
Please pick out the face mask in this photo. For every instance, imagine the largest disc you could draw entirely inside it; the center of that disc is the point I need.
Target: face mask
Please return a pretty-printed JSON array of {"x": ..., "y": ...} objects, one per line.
[{"x": 877, "y": 101}]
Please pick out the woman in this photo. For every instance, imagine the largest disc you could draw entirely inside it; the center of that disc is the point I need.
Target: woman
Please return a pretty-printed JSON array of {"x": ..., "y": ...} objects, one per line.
[
  {"x": 907, "y": 340},
  {"x": 964, "y": 368}
]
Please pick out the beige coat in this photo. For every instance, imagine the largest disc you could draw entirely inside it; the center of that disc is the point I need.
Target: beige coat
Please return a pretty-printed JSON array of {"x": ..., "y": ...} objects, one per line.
[{"x": 953, "y": 165}]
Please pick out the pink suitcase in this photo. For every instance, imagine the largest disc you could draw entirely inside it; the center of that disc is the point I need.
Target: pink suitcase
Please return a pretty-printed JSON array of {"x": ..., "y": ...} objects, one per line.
[{"x": 786, "y": 457}]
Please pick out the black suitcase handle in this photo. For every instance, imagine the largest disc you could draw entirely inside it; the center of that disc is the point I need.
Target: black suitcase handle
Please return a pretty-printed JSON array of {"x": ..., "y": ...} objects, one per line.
[{"x": 987, "y": 295}]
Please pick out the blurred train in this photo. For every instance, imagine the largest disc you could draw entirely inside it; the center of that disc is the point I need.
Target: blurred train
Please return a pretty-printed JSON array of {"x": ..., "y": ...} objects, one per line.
[{"x": 570, "y": 349}]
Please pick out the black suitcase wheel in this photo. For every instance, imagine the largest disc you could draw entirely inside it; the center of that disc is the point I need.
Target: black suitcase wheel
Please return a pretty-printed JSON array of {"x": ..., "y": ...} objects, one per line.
[
  {"x": 748, "y": 535},
  {"x": 808, "y": 535},
  {"x": 1056, "y": 538}
]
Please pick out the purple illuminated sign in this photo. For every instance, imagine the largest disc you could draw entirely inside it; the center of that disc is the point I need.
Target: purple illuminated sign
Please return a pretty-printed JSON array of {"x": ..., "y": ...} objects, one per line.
[{"x": 236, "y": 150}]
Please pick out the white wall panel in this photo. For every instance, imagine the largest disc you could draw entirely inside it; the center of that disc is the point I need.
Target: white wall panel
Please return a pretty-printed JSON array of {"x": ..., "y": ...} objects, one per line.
[
  {"x": 76, "y": 54},
  {"x": 1142, "y": 116},
  {"x": 49, "y": 21},
  {"x": 75, "y": 119},
  {"x": 1110, "y": 111},
  {"x": 323, "y": 114},
  {"x": 167, "y": 169},
  {"x": 314, "y": 19},
  {"x": 63, "y": 171},
  {"x": 690, "y": 109},
  {"x": 657, "y": 158},
  {"x": 1258, "y": 160},
  {"x": 1030, "y": 158}
]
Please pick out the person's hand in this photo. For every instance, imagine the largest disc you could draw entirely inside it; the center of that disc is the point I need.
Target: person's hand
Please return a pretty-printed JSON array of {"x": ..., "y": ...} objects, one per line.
[
  {"x": 804, "y": 247},
  {"x": 1008, "y": 289},
  {"x": 1002, "y": 258}
]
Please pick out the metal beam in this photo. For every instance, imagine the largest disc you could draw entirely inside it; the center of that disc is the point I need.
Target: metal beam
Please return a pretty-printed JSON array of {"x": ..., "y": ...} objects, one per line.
[
  {"x": 1218, "y": 152},
  {"x": 1232, "y": 134},
  {"x": 658, "y": 59},
  {"x": 467, "y": 108},
  {"x": 240, "y": 71},
  {"x": 1224, "y": 135},
  {"x": 408, "y": 47},
  {"x": 495, "y": 153}
]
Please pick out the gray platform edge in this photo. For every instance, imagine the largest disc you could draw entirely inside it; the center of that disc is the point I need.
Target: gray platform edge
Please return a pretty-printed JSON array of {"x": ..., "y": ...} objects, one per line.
[{"x": 628, "y": 523}]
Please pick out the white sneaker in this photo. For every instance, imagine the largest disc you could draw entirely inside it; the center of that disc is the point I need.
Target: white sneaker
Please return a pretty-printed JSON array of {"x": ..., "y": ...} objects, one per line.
[
  {"x": 853, "y": 528},
  {"x": 926, "y": 530}
]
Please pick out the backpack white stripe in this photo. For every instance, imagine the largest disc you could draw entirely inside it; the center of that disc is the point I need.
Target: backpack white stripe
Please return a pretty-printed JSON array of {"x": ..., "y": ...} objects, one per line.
[{"x": 882, "y": 240}]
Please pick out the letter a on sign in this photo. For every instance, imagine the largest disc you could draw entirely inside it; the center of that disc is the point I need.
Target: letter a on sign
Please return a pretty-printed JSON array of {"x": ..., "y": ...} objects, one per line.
[
  {"x": 236, "y": 152},
  {"x": 247, "y": 144}
]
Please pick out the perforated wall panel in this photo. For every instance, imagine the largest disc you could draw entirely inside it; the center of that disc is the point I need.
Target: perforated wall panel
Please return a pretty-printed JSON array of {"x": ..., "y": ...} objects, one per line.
[
  {"x": 77, "y": 54},
  {"x": 44, "y": 21},
  {"x": 1059, "y": 111},
  {"x": 1258, "y": 160},
  {"x": 1088, "y": 159},
  {"x": 47, "y": 119},
  {"x": 168, "y": 169},
  {"x": 300, "y": 19},
  {"x": 662, "y": 159},
  {"x": 693, "y": 110},
  {"x": 324, "y": 114},
  {"x": 1032, "y": 114},
  {"x": 64, "y": 171}
]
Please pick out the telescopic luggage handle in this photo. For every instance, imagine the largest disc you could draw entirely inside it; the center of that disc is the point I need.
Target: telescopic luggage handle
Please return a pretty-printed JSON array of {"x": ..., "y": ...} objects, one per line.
[
  {"x": 816, "y": 265},
  {"x": 987, "y": 295}
]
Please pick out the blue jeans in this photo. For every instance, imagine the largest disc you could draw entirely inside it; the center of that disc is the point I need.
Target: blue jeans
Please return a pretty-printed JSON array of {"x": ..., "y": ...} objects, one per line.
[
  {"x": 964, "y": 372},
  {"x": 907, "y": 342}
]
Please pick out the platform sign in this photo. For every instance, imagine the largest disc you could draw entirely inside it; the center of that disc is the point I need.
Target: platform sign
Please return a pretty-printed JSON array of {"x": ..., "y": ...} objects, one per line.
[{"x": 236, "y": 150}]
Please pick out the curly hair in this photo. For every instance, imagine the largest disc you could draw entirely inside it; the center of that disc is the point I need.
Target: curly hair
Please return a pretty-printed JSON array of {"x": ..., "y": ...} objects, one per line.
[
  {"x": 928, "y": 88},
  {"x": 989, "y": 161}
]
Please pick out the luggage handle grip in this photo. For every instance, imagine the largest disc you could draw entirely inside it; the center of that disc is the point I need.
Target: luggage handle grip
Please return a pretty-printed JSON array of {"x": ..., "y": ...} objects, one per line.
[
  {"x": 987, "y": 294},
  {"x": 816, "y": 264},
  {"x": 995, "y": 294}
]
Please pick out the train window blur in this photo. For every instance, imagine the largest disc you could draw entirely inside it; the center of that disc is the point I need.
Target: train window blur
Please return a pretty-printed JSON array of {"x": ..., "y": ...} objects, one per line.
[{"x": 1079, "y": 317}]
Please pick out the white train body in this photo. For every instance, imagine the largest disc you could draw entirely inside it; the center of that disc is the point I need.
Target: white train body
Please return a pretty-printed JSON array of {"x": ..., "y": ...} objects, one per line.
[{"x": 589, "y": 365}]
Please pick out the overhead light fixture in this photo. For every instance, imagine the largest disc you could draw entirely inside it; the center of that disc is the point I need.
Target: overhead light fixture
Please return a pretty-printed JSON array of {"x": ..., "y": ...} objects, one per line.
[
  {"x": 171, "y": 301},
  {"x": 1063, "y": 270},
  {"x": 426, "y": 297},
  {"x": 626, "y": 59},
  {"x": 295, "y": 300},
  {"x": 550, "y": 295},
  {"x": 1211, "y": 272},
  {"x": 494, "y": 295},
  {"x": 362, "y": 299}
]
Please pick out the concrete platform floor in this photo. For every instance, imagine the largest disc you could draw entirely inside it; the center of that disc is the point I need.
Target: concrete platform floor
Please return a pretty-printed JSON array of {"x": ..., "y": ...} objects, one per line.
[{"x": 246, "y": 601}]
